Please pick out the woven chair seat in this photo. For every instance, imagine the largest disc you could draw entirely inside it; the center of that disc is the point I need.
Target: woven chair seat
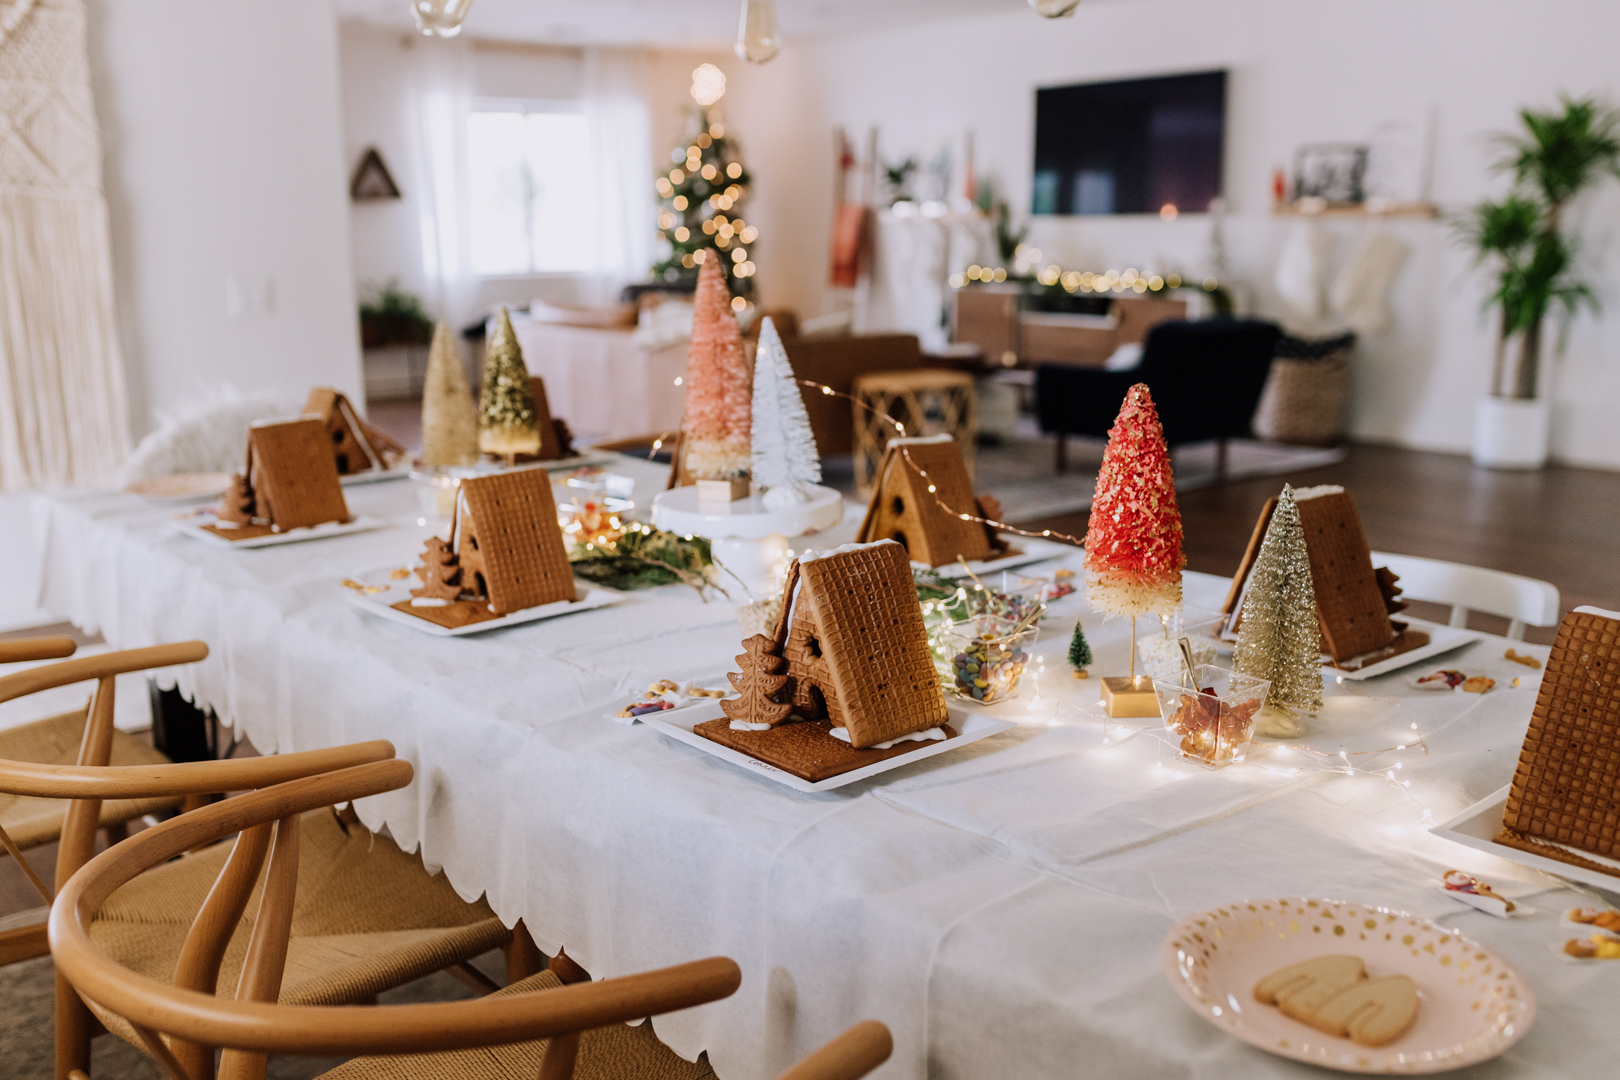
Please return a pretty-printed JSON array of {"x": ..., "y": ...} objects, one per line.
[
  {"x": 55, "y": 741},
  {"x": 367, "y": 918},
  {"x": 618, "y": 1052}
]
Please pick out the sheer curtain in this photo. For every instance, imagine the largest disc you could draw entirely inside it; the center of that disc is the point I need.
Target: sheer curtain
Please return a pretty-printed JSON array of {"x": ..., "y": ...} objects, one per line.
[
  {"x": 615, "y": 104},
  {"x": 63, "y": 411},
  {"x": 442, "y": 94}
]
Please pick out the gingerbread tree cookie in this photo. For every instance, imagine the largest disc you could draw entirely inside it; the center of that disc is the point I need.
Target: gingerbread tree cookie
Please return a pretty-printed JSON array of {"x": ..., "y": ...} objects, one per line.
[
  {"x": 760, "y": 680},
  {"x": 440, "y": 572},
  {"x": 1133, "y": 544}
]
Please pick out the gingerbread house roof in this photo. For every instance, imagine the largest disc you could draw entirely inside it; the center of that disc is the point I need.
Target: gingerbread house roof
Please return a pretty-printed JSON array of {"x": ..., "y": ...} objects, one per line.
[
  {"x": 293, "y": 476},
  {"x": 507, "y": 535},
  {"x": 356, "y": 446},
  {"x": 855, "y": 634},
  {"x": 904, "y": 510},
  {"x": 550, "y": 447},
  {"x": 1566, "y": 789}
]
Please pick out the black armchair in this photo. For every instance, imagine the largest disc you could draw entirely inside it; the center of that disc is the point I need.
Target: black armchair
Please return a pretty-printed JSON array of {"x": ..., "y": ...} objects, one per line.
[{"x": 1206, "y": 378}]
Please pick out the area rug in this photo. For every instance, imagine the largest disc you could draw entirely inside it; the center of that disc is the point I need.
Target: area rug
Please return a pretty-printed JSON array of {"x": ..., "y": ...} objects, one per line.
[{"x": 1020, "y": 472}]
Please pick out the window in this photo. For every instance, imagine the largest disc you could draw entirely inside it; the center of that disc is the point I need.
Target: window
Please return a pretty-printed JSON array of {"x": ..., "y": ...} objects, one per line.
[{"x": 531, "y": 192}]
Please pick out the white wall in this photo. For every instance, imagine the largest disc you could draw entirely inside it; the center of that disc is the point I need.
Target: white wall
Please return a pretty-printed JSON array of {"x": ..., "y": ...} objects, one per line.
[
  {"x": 1299, "y": 73},
  {"x": 223, "y": 160}
]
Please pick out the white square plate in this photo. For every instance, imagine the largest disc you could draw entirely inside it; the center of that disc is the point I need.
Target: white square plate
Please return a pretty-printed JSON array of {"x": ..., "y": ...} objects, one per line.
[
  {"x": 1442, "y": 639},
  {"x": 376, "y": 476},
  {"x": 970, "y": 727},
  {"x": 1478, "y": 825},
  {"x": 381, "y": 604},
  {"x": 1031, "y": 550},
  {"x": 360, "y": 523}
]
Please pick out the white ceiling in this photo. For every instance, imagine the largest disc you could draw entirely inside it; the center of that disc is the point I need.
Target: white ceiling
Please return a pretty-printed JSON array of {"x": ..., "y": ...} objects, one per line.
[{"x": 672, "y": 22}]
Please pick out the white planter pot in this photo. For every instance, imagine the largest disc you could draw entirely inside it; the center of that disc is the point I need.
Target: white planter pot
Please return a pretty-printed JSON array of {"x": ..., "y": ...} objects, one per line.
[{"x": 1510, "y": 433}]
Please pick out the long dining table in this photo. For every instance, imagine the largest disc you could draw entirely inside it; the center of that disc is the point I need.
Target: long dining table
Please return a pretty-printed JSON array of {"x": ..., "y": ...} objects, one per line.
[{"x": 1001, "y": 907}]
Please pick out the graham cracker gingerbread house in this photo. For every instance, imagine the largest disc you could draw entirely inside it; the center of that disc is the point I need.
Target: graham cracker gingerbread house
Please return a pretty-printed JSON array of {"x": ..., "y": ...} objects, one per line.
[
  {"x": 551, "y": 442},
  {"x": 288, "y": 482},
  {"x": 357, "y": 447},
  {"x": 904, "y": 510},
  {"x": 856, "y": 647},
  {"x": 1354, "y": 600},
  {"x": 1564, "y": 802},
  {"x": 505, "y": 553}
]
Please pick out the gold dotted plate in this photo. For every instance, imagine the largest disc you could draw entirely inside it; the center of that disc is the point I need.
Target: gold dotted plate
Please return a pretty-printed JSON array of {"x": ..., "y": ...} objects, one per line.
[{"x": 1472, "y": 1004}]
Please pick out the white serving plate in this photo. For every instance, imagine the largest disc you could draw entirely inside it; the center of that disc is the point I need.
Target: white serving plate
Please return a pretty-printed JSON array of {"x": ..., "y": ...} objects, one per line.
[
  {"x": 181, "y": 487},
  {"x": 380, "y": 605},
  {"x": 1442, "y": 639},
  {"x": 360, "y": 523},
  {"x": 1478, "y": 825},
  {"x": 1472, "y": 1005},
  {"x": 376, "y": 476},
  {"x": 678, "y": 724},
  {"x": 1034, "y": 550}
]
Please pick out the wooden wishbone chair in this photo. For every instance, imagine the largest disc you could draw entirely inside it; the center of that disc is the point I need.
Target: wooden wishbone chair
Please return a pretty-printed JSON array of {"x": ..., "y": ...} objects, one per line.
[
  {"x": 372, "y": 917},
  {"x": 180, "y": 1026},
  {"x": 27, "y": 823}
]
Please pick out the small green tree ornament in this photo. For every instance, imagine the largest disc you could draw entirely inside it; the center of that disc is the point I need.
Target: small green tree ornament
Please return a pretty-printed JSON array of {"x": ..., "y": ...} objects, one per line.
[{"x": 1079, "y": 652}]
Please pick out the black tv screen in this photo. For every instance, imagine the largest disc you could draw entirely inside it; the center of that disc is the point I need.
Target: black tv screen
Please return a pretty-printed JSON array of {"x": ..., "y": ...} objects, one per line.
[{"x": 1130, "y": 147}]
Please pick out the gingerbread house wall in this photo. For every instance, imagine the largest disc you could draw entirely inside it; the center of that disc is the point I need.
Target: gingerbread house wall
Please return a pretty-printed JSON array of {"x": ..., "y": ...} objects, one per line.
[
  {"x": 1355, "y": 619},
  {"x": 903, "y": 509},
  {"x": 348, "y": 452},
  {"x": 550, "y": 450}
]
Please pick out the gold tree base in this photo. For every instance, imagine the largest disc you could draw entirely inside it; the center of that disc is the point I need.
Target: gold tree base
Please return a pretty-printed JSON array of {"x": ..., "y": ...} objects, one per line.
[{"x": 1125, "y": 697}]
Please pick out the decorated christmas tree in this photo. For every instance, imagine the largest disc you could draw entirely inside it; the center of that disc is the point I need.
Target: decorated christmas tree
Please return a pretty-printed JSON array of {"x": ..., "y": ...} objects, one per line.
[
  {"x": 785, "y": 461},
  {"x": 701, "y": 197},
  {"x": 507, "y": 423},
  {"x": 1133, "y": 543},
  {"x": 1079, "y": 651},
  {"x": 719, "y": 394},
  {"x": 757, "y": 685},
  {"x": 1279, "y": 637},
  {"x": 449, "y": 417}
]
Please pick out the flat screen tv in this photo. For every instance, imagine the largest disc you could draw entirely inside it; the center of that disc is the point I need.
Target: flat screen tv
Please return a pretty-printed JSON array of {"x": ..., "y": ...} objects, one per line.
[{"x": 1130, "y": 147}]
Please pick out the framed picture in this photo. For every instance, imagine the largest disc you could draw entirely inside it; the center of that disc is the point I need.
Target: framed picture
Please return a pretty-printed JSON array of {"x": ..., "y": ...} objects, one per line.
[{"x": 1333, "y": 172}]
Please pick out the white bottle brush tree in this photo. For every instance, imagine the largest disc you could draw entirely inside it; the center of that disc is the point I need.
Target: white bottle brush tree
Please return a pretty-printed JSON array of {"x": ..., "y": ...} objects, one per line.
[{"x": 785, "y": 461}]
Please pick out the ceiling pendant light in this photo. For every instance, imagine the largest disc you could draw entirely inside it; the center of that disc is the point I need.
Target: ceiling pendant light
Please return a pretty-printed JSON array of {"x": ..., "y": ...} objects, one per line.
[
  {"x": 757, "y": 36},
  {"x": 440, "y": 18},
  {"x": 1054, "y": 9}
]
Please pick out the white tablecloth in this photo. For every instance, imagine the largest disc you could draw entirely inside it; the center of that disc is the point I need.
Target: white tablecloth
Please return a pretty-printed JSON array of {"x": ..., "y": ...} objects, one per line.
[
  {"x": 605, "y": 385},
  {"x": 1001, "y": 908}
]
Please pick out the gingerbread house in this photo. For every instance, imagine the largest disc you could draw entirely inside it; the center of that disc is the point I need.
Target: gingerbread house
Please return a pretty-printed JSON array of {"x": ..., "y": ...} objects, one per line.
[
  {"x": 289, "y": 481},
  {"x": 904, "y": 508},
  {"x": 1564, "y": 803},
  {"x": 1354, "y": 600},
  {"x": 551, "y": 447},
  {"x": 505, "y": 551},
  {"x": 856, "y": 647},
  {"x": 357, "y": 447}
]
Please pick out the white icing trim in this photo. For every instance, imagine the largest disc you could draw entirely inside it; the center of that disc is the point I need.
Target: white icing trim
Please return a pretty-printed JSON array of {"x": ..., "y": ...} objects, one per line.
[
  {"x": 743, "y": 725},
  {"x": 428, "y": 601},
  {"x": 923, "y": 440},
  {"x": 932, "y": 734},
  {"x": 841, "y": 549},
  {"x": 1301, "y": 494},
  {"x": 1600, "y": 612},
  {"x": 1601, "y": 860}
]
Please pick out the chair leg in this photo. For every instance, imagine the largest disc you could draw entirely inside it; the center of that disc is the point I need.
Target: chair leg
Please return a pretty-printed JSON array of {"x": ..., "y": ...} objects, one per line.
[
  {"x": 1060, "y": 461},
  {"x": 72, "y": 1031},
  {"x": 523, "y": 956},
  {"x": 1220, "y": 459}
]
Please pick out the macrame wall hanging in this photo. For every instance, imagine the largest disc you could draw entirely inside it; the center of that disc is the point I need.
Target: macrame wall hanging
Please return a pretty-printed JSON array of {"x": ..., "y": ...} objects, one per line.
[{"x": 63, "y": 414}]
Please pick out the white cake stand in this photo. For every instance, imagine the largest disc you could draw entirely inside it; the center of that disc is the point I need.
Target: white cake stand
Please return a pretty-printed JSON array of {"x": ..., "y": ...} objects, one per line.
[{"x": 747, "y": 539}]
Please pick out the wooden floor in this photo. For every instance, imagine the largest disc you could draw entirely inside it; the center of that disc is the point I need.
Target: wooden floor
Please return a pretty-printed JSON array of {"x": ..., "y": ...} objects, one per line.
[{"x": 1561, "y": 524}]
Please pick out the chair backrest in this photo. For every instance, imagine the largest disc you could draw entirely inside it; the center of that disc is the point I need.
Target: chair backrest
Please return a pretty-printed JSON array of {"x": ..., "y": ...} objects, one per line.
[
  {"x": 835, "y": 362},
  {"x": 1207, "y": 376},
  {"x": 20, "y": 650},
  {"x": 182, "y": 1023},
  {"x": 1521, "y": 600},
  {"x": 849, "y": 1057}
]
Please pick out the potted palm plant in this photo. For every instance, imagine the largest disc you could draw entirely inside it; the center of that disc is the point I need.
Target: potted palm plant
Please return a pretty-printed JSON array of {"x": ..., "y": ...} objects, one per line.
[{"x": 1522, "y": 239}]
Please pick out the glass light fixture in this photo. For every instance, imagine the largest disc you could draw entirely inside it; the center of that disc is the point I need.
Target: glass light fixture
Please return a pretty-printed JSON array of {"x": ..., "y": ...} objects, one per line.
[
  {"x": 757, "y": 36},
  {"x": 440, "y": 18},
  {"x": 1054, "y": 9}
]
